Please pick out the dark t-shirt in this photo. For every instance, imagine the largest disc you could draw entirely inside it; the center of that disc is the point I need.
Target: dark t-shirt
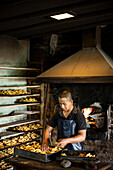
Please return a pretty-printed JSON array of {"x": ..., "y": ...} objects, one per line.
[{"x": 74, "y": 115}]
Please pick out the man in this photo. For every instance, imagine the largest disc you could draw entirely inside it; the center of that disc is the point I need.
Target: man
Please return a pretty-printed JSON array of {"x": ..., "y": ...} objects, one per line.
[{"x": 71, "y": 125}]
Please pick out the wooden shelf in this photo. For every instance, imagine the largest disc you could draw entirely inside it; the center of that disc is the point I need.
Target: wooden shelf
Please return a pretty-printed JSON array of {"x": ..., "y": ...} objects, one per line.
[
  {"x": 18, "y": 123},
  {"x": 26, "y": 95},
  {"x": 18, "y": 68},
  {"x": 9, "y": 134},
  {"x": 30, "y": 83},
  {"x": 18, "y": 78},
  {"x": 18, "y": 112},
  {"x": 15, "y": 105},
  {"x": 26, "y": 86}
]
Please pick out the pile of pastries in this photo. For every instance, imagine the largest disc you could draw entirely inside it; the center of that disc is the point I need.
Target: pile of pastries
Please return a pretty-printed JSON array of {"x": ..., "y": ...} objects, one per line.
[
  {"x": 81, "y": 155},
  {"x": 36, "y": 147},
  {"x": 4, "y": 165},
  {"x": 6, "y": 152},
  {"x": 86, "y": 155},
  {"x": 5, "y": 143},
  {"x": 28, "y": 127},
  {"x": 29, "y": 100},
  {"x": 13, "y": 92}
]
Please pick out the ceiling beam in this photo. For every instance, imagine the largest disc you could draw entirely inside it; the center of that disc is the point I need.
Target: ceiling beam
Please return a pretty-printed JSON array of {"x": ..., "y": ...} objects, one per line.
[
  {"x": 30, "y": 6},
  {"x": 51, "y": 26},
  {"x": 41, "y": 17}
]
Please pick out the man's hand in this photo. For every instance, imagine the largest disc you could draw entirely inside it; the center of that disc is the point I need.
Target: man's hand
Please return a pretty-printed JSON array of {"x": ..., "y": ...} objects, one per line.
[
  {"x": 62, "y": 143},
  {"x": 44, "y": 147}
]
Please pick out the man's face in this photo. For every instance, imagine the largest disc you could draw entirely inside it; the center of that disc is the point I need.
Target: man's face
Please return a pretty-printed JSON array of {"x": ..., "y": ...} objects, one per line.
[{"x": 65, "y": 104}]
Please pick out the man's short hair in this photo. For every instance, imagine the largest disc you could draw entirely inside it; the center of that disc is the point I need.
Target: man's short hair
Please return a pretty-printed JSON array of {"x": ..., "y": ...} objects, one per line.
[{"x": 65, "y": 94}]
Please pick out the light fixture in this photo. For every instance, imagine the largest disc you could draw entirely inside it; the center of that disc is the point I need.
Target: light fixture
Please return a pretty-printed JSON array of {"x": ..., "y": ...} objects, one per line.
[{"x": 62, "y": 16}]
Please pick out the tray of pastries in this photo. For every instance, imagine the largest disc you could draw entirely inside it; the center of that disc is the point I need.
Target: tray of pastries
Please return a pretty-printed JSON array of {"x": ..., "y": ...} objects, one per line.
[
  {"x": 4, "y": 165},
  {"x": 17, "y": 140},
  {"x": 79, "y": 154},
  {"x": 26, "y": 128},
  {"x": 27, "y": 100},
  {"x": 17, "y": 92},
  {"x": 6, "y": 153},
  {"x": 33, "y": 151}
]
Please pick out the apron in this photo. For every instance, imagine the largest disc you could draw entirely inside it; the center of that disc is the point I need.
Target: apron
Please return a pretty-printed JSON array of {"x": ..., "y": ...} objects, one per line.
[{"x": 67, "y": 129}]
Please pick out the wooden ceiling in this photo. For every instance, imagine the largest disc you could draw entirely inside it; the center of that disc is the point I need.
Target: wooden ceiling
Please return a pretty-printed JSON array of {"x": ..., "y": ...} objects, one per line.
[{"x": 30, "y": 18}]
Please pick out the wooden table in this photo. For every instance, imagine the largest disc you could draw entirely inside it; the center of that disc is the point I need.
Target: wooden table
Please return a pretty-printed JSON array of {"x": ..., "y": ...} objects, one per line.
[{"x": 20, "y": 163}]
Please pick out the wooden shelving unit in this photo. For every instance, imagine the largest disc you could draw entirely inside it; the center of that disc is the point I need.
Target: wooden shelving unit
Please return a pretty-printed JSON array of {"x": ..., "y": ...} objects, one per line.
[
  {"x": 18, "y": 117},
  {"x": 29, "y": 87}
]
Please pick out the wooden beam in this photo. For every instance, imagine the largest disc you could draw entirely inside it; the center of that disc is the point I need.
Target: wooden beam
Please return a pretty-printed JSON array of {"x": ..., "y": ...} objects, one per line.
[
  {"x": 98, "y": 79},
  {"x": 55, "y": 26},
  {"x": 41, "y": 16},
  {"x": 77, "y": 28},
  {"x": 29, "y": 6}
]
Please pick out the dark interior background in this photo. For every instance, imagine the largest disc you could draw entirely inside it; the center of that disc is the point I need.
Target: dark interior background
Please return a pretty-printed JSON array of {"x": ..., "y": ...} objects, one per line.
[{"x": 68, "y": 44}]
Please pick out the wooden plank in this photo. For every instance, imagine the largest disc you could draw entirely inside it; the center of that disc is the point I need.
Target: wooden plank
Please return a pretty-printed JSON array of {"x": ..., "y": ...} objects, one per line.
[
  {"x": 25, "y": 112},
  {"x": 8, "y": 134},
  {"x": 98, "y": 79},
  {"x": 18, "y": 68},
  {"x": 29, "y": 164},
  {"x": 15, "y": 105},
  {"x": 18, "y": 123},
  {"x": 17, "y": 77},
  {"x": 28, "y": 95},
  {"x": 42, "y": 103},
  {"x": 12, "y": 87}
]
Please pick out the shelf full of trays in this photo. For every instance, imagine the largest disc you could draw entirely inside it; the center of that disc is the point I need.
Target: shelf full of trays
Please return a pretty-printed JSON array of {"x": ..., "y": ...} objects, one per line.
[
  {"x": 23, "y": 129},
  {"x": 25, "y": 95},
  {"x": 18, "y": 133},
  {"x": 7, "y": 146}
]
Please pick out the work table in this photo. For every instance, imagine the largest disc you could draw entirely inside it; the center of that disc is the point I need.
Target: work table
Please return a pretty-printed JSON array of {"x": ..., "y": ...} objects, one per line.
[{"x": 28, "y": 164}]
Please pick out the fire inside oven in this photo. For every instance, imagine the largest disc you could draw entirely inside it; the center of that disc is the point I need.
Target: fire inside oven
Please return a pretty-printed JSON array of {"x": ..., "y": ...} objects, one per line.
[{"x": 95, "y": 117}]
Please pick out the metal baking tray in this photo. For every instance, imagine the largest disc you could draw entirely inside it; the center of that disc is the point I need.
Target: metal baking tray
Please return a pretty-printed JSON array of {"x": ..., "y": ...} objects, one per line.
[
  {"x": 5, "y": 160},
  {"x": 34, "y": 130},
  {"x": 5, "y": 157},
  {"x": 36, "y": 156},
  {"x": 6, "y": 146},
  {"x": 72, "y": 154}
]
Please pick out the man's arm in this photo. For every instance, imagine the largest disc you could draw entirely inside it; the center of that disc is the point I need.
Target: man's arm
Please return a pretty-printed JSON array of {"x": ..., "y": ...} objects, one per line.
[
  {"x": 46, "y": 137},
  {"x": 76, "y": 139}
]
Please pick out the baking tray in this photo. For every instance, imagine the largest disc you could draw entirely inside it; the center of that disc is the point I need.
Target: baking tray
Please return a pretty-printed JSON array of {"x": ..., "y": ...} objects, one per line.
[
  {"x": 36, "y": 156},
  {"x": 17, "y": 102},
  {"x": 20, "y": 143},
  {"x": 7, "y": 168},
  {"x": 34, "y": 130},
  {"x": 5, "y": 157},
  {"x": 72, "y": 154},
  {"x": 25, "y": 102}
]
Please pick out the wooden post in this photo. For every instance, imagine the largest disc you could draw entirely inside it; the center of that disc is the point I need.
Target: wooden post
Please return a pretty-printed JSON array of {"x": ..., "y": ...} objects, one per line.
[{"x": 42, "y": 104}]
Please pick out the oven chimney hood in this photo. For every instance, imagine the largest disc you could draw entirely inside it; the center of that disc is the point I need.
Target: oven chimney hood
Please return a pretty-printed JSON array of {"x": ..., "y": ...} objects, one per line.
[{"x": 89, "y": 65}]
